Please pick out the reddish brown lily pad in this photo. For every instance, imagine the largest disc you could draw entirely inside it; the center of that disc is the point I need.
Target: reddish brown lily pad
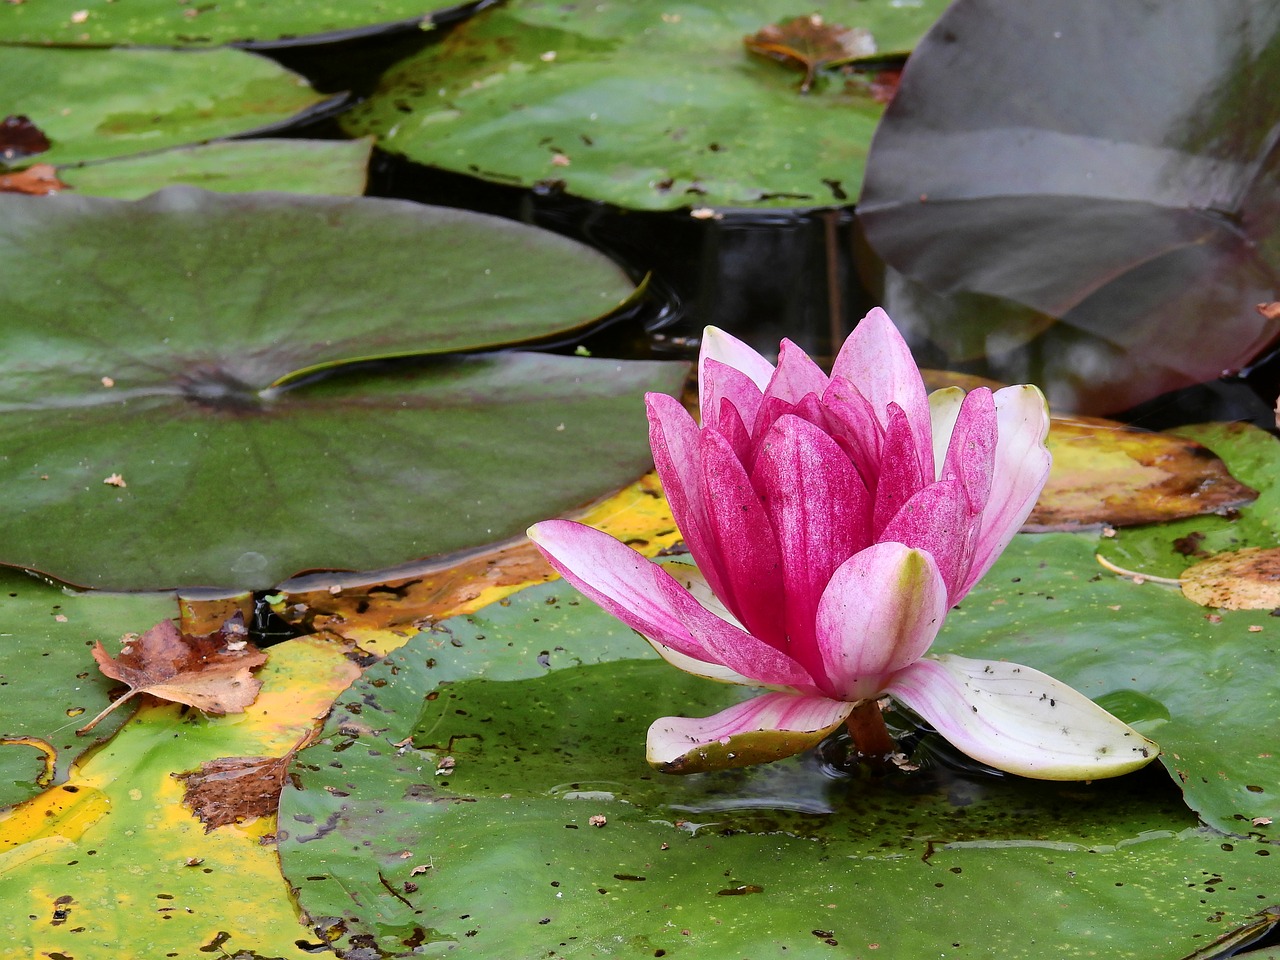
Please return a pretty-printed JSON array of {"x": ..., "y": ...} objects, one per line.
[{"x": 810, "y": 43}]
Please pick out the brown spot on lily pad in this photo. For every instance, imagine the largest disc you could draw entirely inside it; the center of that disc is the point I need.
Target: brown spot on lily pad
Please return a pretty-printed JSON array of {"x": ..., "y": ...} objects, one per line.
[
  {"x": 1107, "y": 473},
  {"x": 1247, "y": 579}
]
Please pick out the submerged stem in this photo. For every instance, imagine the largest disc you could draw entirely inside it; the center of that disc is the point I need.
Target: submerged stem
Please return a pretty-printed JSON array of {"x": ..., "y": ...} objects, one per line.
[{"x": 870, "y": 736}]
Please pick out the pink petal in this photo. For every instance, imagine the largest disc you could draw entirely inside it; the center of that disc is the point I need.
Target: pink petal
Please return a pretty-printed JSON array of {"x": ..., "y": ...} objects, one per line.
[
  {"x": 971, "y": 453},
  {"x": 729, "y": 350},
  {"x": 818, "y": 507},
  {"x": 739, "y": 532},
  {"x": 901, "y": 474},
  {"x": 797, "y": 375},
  {"x": 855, "y": 427},
  {"x": 878, "y": 362},
  {"x": 940, "y": 521},
  {"x": 880, "y": 612},
  {"x": 649, "y": 600},
  {"x": 721, "y": 384},
  {"x": 765, "y": 728},
  {"x": 1019, "y": 472},
  {"x": 676, "y": 442},
  {"x": 1020, "y": 720}
]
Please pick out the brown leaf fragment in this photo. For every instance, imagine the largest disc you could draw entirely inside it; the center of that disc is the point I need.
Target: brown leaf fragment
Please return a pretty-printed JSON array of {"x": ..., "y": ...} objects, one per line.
[
  {"x": 1247, "y": 579},
  {"x": 20, "y": 138},
  {"x": 234, "y": 789},
  {"x": 810, "y": 43},
  {"x": 1107, "y": 473},
  {"x": 1270, "y": 310},
  {"x": 212, "y": 672},
  {"x": 38, "y": 180}
]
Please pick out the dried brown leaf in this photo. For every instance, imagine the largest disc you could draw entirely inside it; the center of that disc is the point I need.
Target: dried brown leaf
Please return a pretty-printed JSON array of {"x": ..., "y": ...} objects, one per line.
[
  {"x": 810, "y": 43},
  {"x": 1247, "y": 579},
  {"x": 234, "y": 789},
  {"x": 19, "y": 138},
  {"x": 212, "y": 672},
  {"x": 37, "y": 180}
]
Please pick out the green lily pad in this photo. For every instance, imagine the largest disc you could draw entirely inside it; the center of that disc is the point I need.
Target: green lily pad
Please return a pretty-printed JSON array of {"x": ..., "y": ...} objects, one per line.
[
  {"x": 157, "y": 430},
  {"x": 640, "y": 104},
  {"x": 165, "y": 23},
  {"x": 546, "y": 833},
  {"x": 51, "y": 684},
  {"x": 336, "y": 167},
  {"x": 1167, "y": 549},
  {"x": 95, "y": 104}
]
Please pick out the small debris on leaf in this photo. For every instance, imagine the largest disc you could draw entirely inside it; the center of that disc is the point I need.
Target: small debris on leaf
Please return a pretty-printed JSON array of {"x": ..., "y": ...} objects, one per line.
[
  {"x": 38, "y": 180},
  {"x": 810, "y": 43},
  {"x": 445, "y": 766},
  {"x": 1270, "y": 310},
  {"x": 1261, "y": 821},
  {"x": 597, "y": 821},
  {"x": 115, "y": 480},
  {"x": 20, "y": 138}
]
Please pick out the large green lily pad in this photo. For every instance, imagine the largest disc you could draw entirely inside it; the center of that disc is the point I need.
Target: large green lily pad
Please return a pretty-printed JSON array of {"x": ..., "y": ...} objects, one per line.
[
  {"x": 640, "y": 104},
  {"x": 95, "y": 104},
  {"x": 51, "y": 684},
  {"x": 151, "y": 440},
  {"x": 336, "y": 167},
  {"x": 164, "y": 22},
  {"x": 1126, "y": 218},
  {"x": 542, "y": 706}
]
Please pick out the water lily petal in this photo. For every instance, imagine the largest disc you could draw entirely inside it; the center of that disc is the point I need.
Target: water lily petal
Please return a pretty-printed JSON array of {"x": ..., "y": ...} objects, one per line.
[
  {"x": 1019, "y": 472},
  {"x": 944, "y": 408},
  {"x": 853, "y": 423},
  {"x": 648, "y": 599},
  {"x": 764, "y": 728},
  {"x": 748, "y": 569},
  {"x": 941, "y": 521},
  {"x": 901, "y": 475},
  {"x": 880, "y": 612},
  {"x": 1020, "y": 720},
  {"x": 878, "y": 362},
  {"x": 819, "y": 511},
  {"x": 732, "y": 352},
  {"x": 721, "y": 384},
  {"x": 971, "y": 453},
  {"x": 797, "y": 375}
]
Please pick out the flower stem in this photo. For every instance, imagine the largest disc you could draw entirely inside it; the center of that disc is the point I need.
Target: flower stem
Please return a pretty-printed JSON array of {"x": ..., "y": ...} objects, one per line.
[{"x": 870, "y": 736}]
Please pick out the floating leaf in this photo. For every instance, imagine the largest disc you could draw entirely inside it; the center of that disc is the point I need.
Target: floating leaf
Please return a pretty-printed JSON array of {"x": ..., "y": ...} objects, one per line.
[
  {"x": 1247, "y": 579},
  {"x": 540, "y": 92},
  {"x": 153, "y": 340},
  {"x": 38, "y": 180},
  {"x": 548, "y": 829},
  {"x": 811, "y": 44},
  {"x": 212, "y": 673},
  {"x": 96, "y": 104},
  {"x": 20, "y": 138},
  {"x": 164, "y": 23},
  {"x": 1023, "y": 159},
  {"x": 1107, "y": 473},
  {"x": 336, "y": 167}
]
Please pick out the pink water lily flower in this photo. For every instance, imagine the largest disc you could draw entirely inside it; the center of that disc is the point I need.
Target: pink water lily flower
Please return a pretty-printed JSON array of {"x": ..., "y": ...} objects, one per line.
[{"x": 834, "y": 520}]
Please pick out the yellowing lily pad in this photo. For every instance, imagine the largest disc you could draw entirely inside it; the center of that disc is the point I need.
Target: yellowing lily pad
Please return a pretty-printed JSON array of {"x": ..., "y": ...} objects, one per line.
[
  {"x": 1105, "y": 472},
  {"x": 1247, "y": 579}
]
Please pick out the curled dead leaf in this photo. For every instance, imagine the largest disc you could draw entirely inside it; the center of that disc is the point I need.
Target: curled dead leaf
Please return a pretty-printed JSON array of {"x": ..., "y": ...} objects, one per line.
[
  {"x": 1246, "y": 579},
  {"x": 38, "y": 180},
  {"x": 20, "y": 138},
  {"x": 206, "y": 672}
]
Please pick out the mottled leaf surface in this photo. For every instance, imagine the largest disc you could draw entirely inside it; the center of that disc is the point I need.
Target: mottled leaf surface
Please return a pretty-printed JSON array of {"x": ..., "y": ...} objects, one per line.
[
  {"x": 639, "y": 104},
  {"x": 512, "y": 810}
]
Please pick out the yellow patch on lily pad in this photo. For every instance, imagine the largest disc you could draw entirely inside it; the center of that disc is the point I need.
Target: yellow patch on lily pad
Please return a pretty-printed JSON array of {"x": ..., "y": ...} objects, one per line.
[
  {"x": 382, "y": 617},
  {"x": 1108, "y": 473},
  {"x": 1247, "y": 579},
  {"x": 113, "y": 864}
]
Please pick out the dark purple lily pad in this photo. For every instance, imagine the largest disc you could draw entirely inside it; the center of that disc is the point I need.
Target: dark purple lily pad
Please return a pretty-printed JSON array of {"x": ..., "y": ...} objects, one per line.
[{"x": 1113, "y": 167}]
